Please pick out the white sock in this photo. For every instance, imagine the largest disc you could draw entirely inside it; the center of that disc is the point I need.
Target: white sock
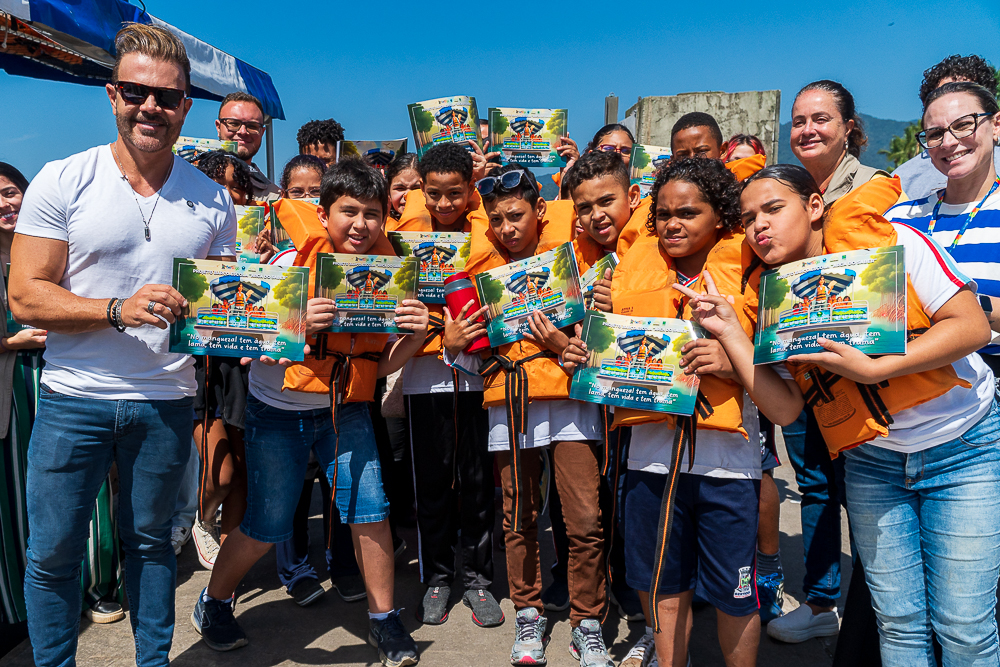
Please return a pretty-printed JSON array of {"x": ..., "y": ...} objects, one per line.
[
  {"x": 379, "y": 617},
  {"x": 649, "y": 630},
  {"x": 205, "y": 597}
]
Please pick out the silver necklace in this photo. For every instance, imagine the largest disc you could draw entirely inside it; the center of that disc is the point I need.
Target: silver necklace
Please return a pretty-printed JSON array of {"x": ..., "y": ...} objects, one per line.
[{"x": 145, "y": 222}]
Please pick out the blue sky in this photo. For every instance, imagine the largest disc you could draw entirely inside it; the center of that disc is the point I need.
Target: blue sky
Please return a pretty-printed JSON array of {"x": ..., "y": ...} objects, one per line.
[{"x": 362, "y": 62}]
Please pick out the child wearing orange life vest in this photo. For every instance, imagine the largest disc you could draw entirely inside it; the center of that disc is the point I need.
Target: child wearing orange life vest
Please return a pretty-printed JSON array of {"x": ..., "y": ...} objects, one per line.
[
  {"x": 918, "y": 430},
  {"x": 521, "y": 225},
  {"x": 452, "y": 467},
  {"x": 710, "y": 494},
  {"x": 320, "y": 405}
]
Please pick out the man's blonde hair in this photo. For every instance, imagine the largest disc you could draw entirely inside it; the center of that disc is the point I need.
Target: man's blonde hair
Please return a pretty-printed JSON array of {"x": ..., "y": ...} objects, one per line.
[{"x": 154, "y": 42}]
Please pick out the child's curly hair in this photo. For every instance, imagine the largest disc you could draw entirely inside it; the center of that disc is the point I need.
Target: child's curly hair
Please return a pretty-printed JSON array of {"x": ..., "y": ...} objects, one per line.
[{"x": 718, "y": 186}]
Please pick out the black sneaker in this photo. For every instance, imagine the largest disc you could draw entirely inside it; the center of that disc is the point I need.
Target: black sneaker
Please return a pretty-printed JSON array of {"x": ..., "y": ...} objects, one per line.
[
  {"x": 105, "y": 611},
  {"x": 351, "y": 588},
  {"x": 395, "y": 645},
  {"x": 486, "y": 612},
  {"x": 398, "y": 547},
  {"x": 307, "y": 591},
  {"x": 433, "y": 609},
  {"x": 214, "y": 621},
  {"x": 556, "y": 596}
]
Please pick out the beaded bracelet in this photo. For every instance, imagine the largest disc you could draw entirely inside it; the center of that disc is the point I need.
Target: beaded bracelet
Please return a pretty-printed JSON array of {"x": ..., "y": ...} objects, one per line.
[
  {"x": 111, "y": 306},
  {"x": 117, "y": 315}
]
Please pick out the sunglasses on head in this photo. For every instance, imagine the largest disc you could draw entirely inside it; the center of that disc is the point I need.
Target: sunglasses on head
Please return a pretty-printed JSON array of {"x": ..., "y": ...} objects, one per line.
[
  {"x": 508, "y": 180},
  {"x": 137, "y": 93}
]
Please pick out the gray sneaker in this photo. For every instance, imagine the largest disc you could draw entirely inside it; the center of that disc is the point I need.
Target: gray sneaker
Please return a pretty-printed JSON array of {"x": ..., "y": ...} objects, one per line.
[
  {"x": 587, "y": 645},
  {"x": 529, "y": 638}
]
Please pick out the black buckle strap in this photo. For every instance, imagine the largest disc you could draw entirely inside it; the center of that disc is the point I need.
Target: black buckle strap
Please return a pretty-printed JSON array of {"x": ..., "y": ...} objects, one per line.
[
  {"x": 435, "y": 327},
  {"x": 516, "y": 402},
  {"x": 821, "y": 388},
  {"x": 876, "y": 406},
  {"x": 684, "y": 435}
]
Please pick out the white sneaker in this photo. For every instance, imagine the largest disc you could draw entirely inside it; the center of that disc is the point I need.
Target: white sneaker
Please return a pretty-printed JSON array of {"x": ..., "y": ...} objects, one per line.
[
  {"x": 206, "y": 539},
  {"x": 643, "y": 648},
  {"x": 179, "y": 535},
  {"x": 802, "y": 624}
]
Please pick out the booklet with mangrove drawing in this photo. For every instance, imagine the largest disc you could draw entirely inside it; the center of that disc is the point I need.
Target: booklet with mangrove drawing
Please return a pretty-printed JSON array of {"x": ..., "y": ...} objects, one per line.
[
  {"x": 446, "y": 120},
  {"x": 856, "y": 297},
  {"x": 191, "y": 148},
  {"x": 527, "y": 136},
  {"x": 376, "y": 153},
  {"x": 251, "y": 221},
  {"x": 240, "y": 310},
  {"x": 645, "y": 163},
  {"x": 441, "y": 255},
  {"x": 590, "y": 277},
  {"x": 635, "y": 363},
  {"x": 548, "y": 283},
  {"x": 366, "y": 289}
]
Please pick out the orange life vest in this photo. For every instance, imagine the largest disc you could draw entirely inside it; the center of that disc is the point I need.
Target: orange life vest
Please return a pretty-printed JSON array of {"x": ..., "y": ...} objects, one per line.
[
  {"x": 587, "y": 250},
  {"x": 850, "y": 414},
  {"x": 746, "y": 167},
  {"x": 343, "y": 365},
  {"x": 642, "y": 286},
  {"x": 417, "y": 218}
]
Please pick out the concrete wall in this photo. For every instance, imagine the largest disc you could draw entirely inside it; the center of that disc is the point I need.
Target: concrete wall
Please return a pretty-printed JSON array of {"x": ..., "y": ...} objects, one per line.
[{"x": 753, "y": 112}]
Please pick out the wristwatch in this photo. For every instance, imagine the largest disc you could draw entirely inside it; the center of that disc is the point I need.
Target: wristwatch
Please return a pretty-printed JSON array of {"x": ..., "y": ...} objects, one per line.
[{"x": 986, "y": 303}]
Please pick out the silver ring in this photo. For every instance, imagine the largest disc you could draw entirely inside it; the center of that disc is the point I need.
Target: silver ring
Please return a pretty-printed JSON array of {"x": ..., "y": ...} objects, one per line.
[{"x": 150, "y": 307}]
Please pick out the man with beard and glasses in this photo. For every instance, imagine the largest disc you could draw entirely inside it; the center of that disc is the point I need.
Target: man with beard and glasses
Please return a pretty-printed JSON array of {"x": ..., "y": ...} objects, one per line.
[
  {"x": 241, "y": 119},
  {"x": 92, "y": 258}
]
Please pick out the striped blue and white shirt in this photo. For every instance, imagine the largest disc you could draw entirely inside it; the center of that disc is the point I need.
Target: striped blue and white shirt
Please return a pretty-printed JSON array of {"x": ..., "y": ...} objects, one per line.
[{"x": 978, "y": 253}]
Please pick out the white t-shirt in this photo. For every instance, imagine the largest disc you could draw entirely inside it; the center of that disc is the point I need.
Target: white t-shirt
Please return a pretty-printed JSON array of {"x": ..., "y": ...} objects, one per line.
[
  {"x": 84, "y": 201},
  {"x": 430, "y": 375},
  {"x": 548, "y": 422},
  {"x": 717, "y": 453},
  {"x": 935, "y": 278}
]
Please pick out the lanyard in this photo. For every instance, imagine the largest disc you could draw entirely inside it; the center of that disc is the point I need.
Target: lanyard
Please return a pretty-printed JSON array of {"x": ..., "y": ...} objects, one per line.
[{"x": 965, "y": 225}]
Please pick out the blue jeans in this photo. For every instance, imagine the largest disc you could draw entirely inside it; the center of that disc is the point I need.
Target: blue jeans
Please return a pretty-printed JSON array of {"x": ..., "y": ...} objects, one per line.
[
  {"x": 278, "y": 443},
  {"x": 927, "y": 530},
  {"x": 820, "y": 482},
  {"x": 73, "y": 444}
]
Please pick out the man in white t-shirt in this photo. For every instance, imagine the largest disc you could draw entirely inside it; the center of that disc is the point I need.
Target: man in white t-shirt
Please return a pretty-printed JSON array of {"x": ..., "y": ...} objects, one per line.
[{"x": 91, "y": 263}]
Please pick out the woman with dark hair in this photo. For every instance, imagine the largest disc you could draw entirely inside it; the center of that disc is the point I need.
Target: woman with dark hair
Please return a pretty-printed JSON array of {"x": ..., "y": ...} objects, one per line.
[{"x": 20, "y": 374}]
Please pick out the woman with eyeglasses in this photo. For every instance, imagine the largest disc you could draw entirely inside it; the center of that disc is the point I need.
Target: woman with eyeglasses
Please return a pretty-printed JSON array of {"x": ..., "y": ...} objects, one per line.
[{"x": 961, "y": 130}]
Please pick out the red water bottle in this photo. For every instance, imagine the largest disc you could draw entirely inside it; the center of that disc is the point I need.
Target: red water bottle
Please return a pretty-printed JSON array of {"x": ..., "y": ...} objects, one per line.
[{"x": 458, "y": 291}]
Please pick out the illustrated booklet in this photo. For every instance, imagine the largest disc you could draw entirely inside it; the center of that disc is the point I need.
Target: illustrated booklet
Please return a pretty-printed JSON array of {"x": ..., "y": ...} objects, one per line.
[
  {"x": 527, "y": 136},
  {"x": 548, "y": 283},
  {"x": 366, "y": 289},
  {"x": 441, "y": 255},
  {"x": 590, "y": 277},
  {"x": 191, "y": 148},
  {"x": 240, "y": 310},
  {"x": 251, "y": 221},
  {"x": 635, "y": 363},
  {"x": 446, "y": 120},
  {"x": 645, "y": 164},
  {"x": 376, "y": 153},
  {"x": 856, "y": 297}
]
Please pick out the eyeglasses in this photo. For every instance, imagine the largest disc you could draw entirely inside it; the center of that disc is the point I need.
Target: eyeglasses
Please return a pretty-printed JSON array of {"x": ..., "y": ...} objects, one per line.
[
  {"x": 300, "y": 193},
  {"x": 234, "y": 125},
  {"x": 508, "y": 180},
  {"x": 960, "y": 128},
  {"x": 608, "y": 148},
  {"x": 137, "y": 93}
]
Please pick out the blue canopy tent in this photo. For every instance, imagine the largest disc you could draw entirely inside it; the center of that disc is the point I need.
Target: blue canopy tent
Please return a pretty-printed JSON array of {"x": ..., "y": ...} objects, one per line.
[{"x": 73, "y": 41}]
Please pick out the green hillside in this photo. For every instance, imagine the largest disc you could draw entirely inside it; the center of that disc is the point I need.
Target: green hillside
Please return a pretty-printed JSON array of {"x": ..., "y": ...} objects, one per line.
[{"x": 879, "y": 130}]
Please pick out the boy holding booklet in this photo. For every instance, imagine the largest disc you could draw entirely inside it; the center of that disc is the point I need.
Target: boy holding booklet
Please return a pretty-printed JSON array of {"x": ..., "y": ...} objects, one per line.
[
  {"x": 521, "y": 225},
  {"x": 452, "y": 467},
  {"x": 320, "y": 404},
  {"x": 708, "y": 541}
]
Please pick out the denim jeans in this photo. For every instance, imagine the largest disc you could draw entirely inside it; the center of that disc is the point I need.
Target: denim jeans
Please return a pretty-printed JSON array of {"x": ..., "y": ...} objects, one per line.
[
  {"x": 73, "y": 444},
  {"x": 926, "y": 526},
  {"x": 820, "y": 482}
]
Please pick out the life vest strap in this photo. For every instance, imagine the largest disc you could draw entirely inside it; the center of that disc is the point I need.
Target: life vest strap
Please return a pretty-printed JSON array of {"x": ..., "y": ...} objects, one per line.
[
  {"x": 435, "y": 328},
  {"x": 821, "y": 391},
  {"x": 516, "y": 401},
  {"x": 684, "y": 435}
]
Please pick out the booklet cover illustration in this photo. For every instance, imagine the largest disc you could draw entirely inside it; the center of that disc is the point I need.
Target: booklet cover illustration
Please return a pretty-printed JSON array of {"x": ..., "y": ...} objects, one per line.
[
  {"x": 857, "y": 298},
  {"x": 376, "y": 153},
  {"x": 635, "y": 363},
  {"x": 527, "y": 136},
  {"x": 366, "y": 289},
  {"x": 240, "y": 310},
  {"x": 279, "y": 236},
  {"x": 590, "y": 277},
  {"x": 447, "y": 120},
  {"x": 441, "y": 255},
  {"x": 548, "y": 283},
  {"x": 251, "y": 221},
  {"x": 191, "y": 148},
  {"x": 645, "y": 163}
]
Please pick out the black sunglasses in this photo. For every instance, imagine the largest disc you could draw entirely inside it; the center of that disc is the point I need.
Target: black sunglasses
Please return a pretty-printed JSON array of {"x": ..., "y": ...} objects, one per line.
[
  {"x": 508, "y": 180},
  {"x": 137, "y": 93}
]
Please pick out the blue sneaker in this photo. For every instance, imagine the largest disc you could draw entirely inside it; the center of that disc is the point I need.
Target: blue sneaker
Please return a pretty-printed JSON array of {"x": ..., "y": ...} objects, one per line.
[
  {"x": 771, "y": 595},
  {"x": 214, "y": 621},
  {"x": 396, "y": 647}
]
